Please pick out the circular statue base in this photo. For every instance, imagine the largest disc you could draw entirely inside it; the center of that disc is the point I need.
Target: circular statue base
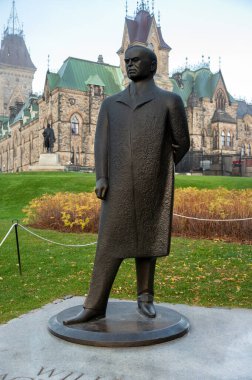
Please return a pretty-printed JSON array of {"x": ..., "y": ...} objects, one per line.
[{"x": 123, "y": 326}]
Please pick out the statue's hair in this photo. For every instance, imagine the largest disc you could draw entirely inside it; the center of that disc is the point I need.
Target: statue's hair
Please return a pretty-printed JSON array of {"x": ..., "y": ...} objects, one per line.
[{"x": 148, "y": 51}]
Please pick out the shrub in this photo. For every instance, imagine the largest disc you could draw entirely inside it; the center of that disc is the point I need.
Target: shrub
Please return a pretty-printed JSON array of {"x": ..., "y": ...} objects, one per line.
[
  {"x": 67, "y": 212},
  {"x": 70, "y": 212},
  {"x": 213, "y": 204}
]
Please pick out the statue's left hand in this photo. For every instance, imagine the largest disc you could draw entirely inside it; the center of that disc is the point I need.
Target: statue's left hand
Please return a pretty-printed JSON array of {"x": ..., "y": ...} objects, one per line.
[{"x": 101, "y": 188}]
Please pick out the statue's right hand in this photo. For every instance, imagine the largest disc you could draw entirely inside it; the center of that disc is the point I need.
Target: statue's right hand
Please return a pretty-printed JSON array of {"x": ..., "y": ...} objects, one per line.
[{"x": 101, "y": 188}]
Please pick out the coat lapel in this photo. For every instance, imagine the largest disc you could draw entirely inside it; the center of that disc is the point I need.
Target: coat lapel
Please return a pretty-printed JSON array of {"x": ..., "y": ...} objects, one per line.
[{"x": 125, "y": 98}]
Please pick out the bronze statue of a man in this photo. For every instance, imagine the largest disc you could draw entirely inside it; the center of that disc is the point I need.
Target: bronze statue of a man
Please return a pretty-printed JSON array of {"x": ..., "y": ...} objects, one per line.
[
  {"x": 49, "y": 138},
  {"x": 141, "y": 133}
]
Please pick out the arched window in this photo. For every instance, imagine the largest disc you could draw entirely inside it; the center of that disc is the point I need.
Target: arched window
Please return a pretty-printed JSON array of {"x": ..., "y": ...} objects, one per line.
[
  {"x": 220, "y": 100},
  {"x": 74, "y": 125},
  {"x": 215, "y": 139},
  {"x": 223, "y": 138},
  {"x": 228, "y": 139}
]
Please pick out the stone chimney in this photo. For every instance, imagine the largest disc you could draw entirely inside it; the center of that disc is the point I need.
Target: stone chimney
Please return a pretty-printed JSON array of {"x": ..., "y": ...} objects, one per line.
[{"x": 100, "y": 59}]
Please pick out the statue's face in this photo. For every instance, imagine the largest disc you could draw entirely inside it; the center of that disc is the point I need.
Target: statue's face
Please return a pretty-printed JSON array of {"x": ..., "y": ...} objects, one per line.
[{"x": 139, "y": 65}]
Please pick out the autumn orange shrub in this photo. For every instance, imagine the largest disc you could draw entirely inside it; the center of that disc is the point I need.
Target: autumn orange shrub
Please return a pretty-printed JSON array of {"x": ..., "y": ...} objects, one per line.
[
  {"x": 221, "y": 204},
  {"x": 70, "y": 212},
  {"x": 67, "y": 212}
]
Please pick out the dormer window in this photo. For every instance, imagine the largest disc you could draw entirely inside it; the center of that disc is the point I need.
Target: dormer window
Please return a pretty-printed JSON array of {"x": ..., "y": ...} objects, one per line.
[{"x": 97, "y": 90}]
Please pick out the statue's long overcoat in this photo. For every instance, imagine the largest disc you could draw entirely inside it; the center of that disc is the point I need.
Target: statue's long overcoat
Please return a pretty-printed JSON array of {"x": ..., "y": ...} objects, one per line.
[
  {"x": 49, "y": 137},
  {"x": 136, "y": 146}
]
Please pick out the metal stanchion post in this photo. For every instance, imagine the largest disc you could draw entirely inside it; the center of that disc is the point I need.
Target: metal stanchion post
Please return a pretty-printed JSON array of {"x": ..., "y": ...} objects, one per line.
[{"x": 18, "y": 251}]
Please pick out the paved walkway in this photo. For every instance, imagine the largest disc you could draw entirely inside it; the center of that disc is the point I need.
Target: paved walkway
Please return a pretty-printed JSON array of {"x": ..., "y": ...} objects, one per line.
[{"x": 218, "y": 347}]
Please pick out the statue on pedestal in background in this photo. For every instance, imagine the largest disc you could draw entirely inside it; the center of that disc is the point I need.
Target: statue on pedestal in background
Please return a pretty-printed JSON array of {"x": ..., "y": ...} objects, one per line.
[{"x": 49, "y": 138}]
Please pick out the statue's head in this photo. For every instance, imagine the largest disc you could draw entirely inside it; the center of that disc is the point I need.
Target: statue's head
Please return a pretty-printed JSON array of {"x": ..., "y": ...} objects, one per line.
[
  {"x": 48, "y": 125},
  {"x": 141, "y": 63}
]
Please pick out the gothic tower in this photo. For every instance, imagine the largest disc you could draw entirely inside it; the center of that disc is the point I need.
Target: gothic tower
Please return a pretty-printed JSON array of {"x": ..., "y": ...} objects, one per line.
[
  {"x": 16, "y": 68},
  {"x": 142, "y": 29}
]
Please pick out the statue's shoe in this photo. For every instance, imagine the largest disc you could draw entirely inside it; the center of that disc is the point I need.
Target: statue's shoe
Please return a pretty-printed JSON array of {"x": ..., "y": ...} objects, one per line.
[
  {"x": 85, "y": 315},
  {"x": 145, "y": 305}
]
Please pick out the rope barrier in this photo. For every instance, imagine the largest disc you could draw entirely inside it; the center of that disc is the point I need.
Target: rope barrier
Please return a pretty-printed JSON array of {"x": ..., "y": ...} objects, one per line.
[
  {"x": 13, "y": 225},
  {"x": 212, "y": 220},
  {"x": 54, "y": 242},
  {"x": 88, "y": 244}
]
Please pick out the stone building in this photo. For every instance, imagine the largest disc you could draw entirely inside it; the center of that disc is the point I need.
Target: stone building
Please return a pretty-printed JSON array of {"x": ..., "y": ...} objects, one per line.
[
  {"x": 16, "y": 69},
  {"x": 219, "y": 125},
  {"x": 70, "y": 104}
]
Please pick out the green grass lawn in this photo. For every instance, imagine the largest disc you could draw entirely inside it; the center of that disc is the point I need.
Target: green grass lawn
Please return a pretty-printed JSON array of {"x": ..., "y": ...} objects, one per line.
[
  {"x": 197, "y": 272},
  {"x": 213, "y": 182},
  {"x": 19, "y": 188}
]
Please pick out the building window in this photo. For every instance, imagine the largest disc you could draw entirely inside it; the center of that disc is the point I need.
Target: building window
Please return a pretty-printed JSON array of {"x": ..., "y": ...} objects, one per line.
[
  {"x": 215, "y": 139},
  {"x": 220, "y": 100},
  {"x": 232, "y": 140},
  {"x": 246, "y": 128},
  {"x": 223, "y": 139},
  {"x": 74, "y": 125},
  {"x": 97, "y": 90},
  {"x": 228, "y": 139},
  {"x": 72, "y": 156},
  {"x": 203, "y": 138},
  {"x": 249, "y": 150},
  {"x": 77, "y": 156},
  {"x": 243, "y": 150},
  {"x": 15, "y": 144}
]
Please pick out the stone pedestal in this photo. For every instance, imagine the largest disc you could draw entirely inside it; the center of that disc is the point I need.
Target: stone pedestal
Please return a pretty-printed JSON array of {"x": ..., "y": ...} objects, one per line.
[
  {"x": 123, "y": 326},
  {"x": 47, "y": 162}
]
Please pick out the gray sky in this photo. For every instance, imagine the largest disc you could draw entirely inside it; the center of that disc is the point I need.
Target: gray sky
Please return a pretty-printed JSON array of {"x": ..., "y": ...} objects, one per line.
[{"x": 87, "y": 28}]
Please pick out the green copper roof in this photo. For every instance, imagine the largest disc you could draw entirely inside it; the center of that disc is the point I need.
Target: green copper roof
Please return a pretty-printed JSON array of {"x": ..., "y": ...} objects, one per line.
[
  {"x": 77, "y": 74},
  {"x": 202, "y": 81},
  {"x": 29, "y": 111}
]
